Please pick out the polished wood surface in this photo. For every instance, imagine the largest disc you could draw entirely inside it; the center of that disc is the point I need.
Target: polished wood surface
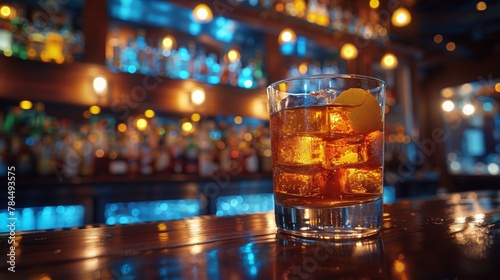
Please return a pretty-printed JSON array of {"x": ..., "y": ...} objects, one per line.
[{"x": 456, "y": 236}]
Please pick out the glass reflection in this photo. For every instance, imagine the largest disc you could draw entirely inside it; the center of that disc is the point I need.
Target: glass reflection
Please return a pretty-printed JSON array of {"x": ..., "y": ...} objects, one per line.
[
  {"x": 314, "y": 259},
  {"x": 474, "y": 224}
]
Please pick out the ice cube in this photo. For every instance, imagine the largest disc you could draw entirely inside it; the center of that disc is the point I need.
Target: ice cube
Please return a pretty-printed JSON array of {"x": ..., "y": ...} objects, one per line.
[
  {"x": 362, "y": 180},
  {"x": 328, "y": 94},
  {"x": 339, "y": 122},
  {"x": 375, "y": 149},
  {"x": 310, "y": 120},
  {"x": 343, "y": 152},
  {"x": 302, "y": 100},
  {"x": 302, "y": 184},
  {"x": 301, "y": 150}
]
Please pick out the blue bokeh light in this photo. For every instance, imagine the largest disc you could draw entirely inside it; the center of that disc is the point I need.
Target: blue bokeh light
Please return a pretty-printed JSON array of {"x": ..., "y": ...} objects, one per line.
[
  {"x": 43, "y": 218},
  {"x": 148, "y": 211}
]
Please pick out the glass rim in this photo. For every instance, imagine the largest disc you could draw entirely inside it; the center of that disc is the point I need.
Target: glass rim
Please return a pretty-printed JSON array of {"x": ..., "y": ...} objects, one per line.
[{"x": 274, "y": 85}]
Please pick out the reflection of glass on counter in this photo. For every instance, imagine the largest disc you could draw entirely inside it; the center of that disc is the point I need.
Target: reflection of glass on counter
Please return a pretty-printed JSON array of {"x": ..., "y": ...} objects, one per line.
[{"x": 360, "y": 259}]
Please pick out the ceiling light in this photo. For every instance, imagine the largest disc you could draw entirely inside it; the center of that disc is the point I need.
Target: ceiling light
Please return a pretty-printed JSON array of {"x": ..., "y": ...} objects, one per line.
[
  {"x": 481, "y": 6},
  {"x": 389, "y": 61},
  {"x": 447, "y": 92},
  {"x": 401, "y": 17},
  {"x": 348, "y": 51},
  {"x": 168, "y": 42},
  {"x": 202, "y": 13},
  {"x": 149, "y": 113},
  {"x": 374, "y": 4},
  {"x": 198, "y": 96},
  {"x": 233, "y": 55},
  {"x": 100, "y": 84},
  {"x": 438, "y": 38},
  {"x": 448, "y": 106},
  {"x": 25, "y": 104},
  {"x": 287, "y": 35},
  {"x": 95, "y": 110},
  {"x": 141, "y": 124},
  {"x": 468, "y": 109},
  {"x": 450, "y": 46}
]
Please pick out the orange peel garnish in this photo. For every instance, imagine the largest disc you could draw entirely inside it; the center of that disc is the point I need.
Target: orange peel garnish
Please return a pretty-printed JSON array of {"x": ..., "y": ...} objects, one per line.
[{"x": 365, "y": 113}]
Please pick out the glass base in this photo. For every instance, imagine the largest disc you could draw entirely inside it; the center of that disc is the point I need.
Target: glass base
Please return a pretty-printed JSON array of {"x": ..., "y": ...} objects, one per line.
[{"x": 344, "y": 222}]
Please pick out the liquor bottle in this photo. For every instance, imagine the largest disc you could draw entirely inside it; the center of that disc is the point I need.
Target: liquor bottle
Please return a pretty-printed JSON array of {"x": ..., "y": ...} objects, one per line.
[
  {"x": 191, "y": 157},
  {"x": 160, "y": 58},
  {"x": 300, "y": 8},
  {"x": 36, "y": 39},
  {"x": 118, "y": 164},
  {"x": 258, "y": 73},
  {"x": 264, "y": 144},
  {"x": 191, "y": 48},
  {"x": 132, "y": 143},
  {"x": 200, "y": 66},
  {"x": 323, "y": 16},
  {"x": 71, "y": 155},
  {"x": 267, "y": 4},
  {"x": 183, "y": 63},
  {"x": 24, "y": 158},
  {"x": 129, "y": 62},
  {"x": 213, "y": 69},
  {"x": 290, "y": 8},
  {"x": 54, "y": 43},
  {"x": 19, "y": 39},
  {"x": 115, "y": 44},
  {"x": 146, "y": 158},
  {"x": 87, "y": 157},
  {"x": 245, "y": 79},
  {"x": 312, "y": 11},
  {"x": 336, "y": 17},
  {"x": 66, "y": 31},
  {"x": 176, "y": 148},
  {"x": 205, "y": 146},
  {"x": 347, "y": 21},
  {"x": 78, "y": 46},
  {"x": 252, "y": 160},
  {"x": 172, "y": 64},
  {"x": 45, "y": 157},
  {"x": 100, "y": 141},
  {"x": 293, "y": 71},
  {"x": 229, "y": 153},
  {"x": 6, "y": 36},
  {"x": 330, "y": 67},
  {"x": 314, "y": 68},
  {"x": 38, "y": 121},
  {"x": 234, "y": 68},
  {"x": 140, "y": 50},
  {"x": 162, "y": 159}
]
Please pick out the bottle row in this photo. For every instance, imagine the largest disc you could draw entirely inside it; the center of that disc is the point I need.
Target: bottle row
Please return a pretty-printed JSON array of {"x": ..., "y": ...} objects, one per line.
[
  {"x": 337, "y": 15},
  {"x": 41, "y": 34},
  {"x": 143, "y": 144},
  {"x": 137, "y": 53}
]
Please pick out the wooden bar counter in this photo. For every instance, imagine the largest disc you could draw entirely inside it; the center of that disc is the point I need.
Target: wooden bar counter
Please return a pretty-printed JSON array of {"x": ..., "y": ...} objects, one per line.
[{"x": 456, "y": 236}]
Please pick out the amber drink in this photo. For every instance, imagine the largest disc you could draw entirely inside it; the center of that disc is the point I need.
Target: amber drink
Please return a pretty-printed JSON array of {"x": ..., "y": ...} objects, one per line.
[{"x": 327, "y": 149}]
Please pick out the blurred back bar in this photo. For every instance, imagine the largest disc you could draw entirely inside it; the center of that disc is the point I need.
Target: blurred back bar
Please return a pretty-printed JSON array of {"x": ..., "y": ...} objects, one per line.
[{"x": 122, "y": 112}]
